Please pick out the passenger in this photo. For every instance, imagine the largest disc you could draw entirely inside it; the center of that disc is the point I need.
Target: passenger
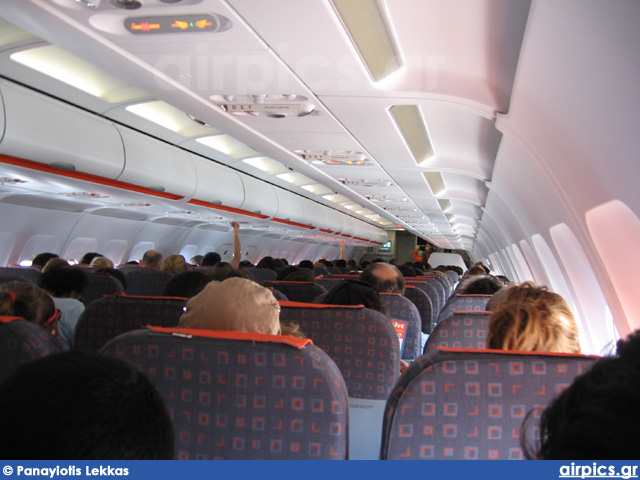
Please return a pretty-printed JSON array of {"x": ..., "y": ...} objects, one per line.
[
  {"x": 82, "y": 406},
  {"x": 302, "y": 275},
  {"x": 287, "y": 271},
  {"x": 352, "y": 265},
  {"x": 407, "y": 271},
  {"x": 196, "y": 260},
  {"x": 211, "y": 259},
  {"x": 308, "y": 264},
  {"x": 55, "y": 262},
  {"x": 597, "y": 416},
  {"x": 151, "y": 259},
  {"x": 355, "y": 292},
  {"x": 341, "y": 263},
  {"x": 115, "y": 273},
  {"x": 186, "y": 284},
  {"x": 88, "y": 257},
  {"x": 174, "y": 264},
  {"x": 320, "y": 269},
  {"x": 101, "y": 262},
  {"x": 384, "y": 277},
  {"x": 41, "y": 259},
  {"x": 267, "y": 262},
  {"x": 66, "y": 285},
  {"x": 482, "y": 285},
  {"x": 530, "y": 318},
  {"x": 235, "y": 304},
  {"x": 224, "y": 270},
  {"x": 23, "y": 299},
  {"x": 496, "y": 299}
]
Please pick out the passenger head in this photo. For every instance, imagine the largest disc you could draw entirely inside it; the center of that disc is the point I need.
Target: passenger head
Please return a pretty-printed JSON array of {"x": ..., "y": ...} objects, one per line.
[
  {"x": 117, "y": 274},
  {"x": 302, "y": 275},
  {"x": 55, "y": 262},
  {"x": 341, "y": 263},
  {"x": 210, "y": 259},
  {"x": 235, "y": 304},
  {"x": 224, "y": 271},
  {"x": 287, "y": 271},
  {"x": 174, "y": 264},
  {"x": 88, "y": 257},
  {"x": 41, "y": 259},
  {"x": 186, "y": 284},
  {"x": 65, "y": 282},
  {"x": 407, "y": 271},
  {"x": 475, "y": 270},
  {"x": 23, "y": 299},
  {"x": 355, "y": 292},
  {"x": 82, "y": 406},
  {"x": 530, "y": 318},
  {"x": 267, "y": 262},
  {"x": 196, "y": 260},
  {"x": 385, "y": 278},
  {"x": 308, "y": 264},
  {"x": 597, "y": 417},
  {"x": 101, "y": 262},
  {"x": 151, "y": 259},
  {"x": 482, "y": 285}
]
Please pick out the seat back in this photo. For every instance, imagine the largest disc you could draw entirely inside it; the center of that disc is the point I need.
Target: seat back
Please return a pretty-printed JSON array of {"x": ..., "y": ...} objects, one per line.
[
  {"x": 108, "y": 317},
  {"x": 146, "y": 281},
  {"x": 401, "y": 308},
  {"x": 99, "y": 286},
  {"x": 261, "y": 275},
  {"x": 27, "y": 274},
  {"x": 21, "y": 342},
  {"x": 461, "y": 302},
  {"x": 242, "y": 396},
  {"x": 424, "y": 305},
  {"x": 303, "y": 292},
  {"x": 362, "y": 342},
  {"x": 433, "y": 289},
  {"x": 4, "y": 278},
  {"x": 328, "y": 282},
  {"x": 461, "y": 330},
  {"x": 462, "y": 404}
]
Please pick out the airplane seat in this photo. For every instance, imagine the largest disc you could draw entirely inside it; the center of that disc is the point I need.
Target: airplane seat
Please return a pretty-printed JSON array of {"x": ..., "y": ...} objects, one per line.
[
  {"x": 466, "y": 302},
  {"x": 461, "y": 404},
  {"x": 146, "y": 281},
  {"x": 243, "y": 396},
  {"x": 28, "y": 274},
  {"x": 432, "y": 288},
  {"x": 108, "y": 317},
  {"x": 362, "y": 342},
  {"x": 281, "y": 297},
  {"x": 424, "y": 305},
  {"x": 260, "y": 275},
  {"x": 328, "y": 282},
  {"x": 464, "y": 329},
  {"x": 453, "y": 277},
  {"x": 303, "y": 292},
  {"x": 401, "y": 308},
  {"x": 99, "y": 286},
  {"x": 22, "y": 341},
  {"x": 6, "y": 278}
]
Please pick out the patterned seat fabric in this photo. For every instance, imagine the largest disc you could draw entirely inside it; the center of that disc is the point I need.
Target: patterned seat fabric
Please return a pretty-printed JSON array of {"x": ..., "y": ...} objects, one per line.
[
  {"x": 21, "y": 342},
  {"x": 99, "y": 286},
  {"x": 146, "y": 281},
  {"x": 28, "y": 274},
  {"x": 108, "y": 317},
  {"x": 297, "y": 291},
  {"x": 261, "y": 275},
  {"x": 243, "y": 396},
  {"x": 462, "y": 302},
  {"x": 362, "y": 342},
  {"x": 460, "y": 404},
  {"x": 461, "y": 330},
  {"x": 433, "y": 289},
  {"x": 424, "y": 305},
  {"x": 401, "y": 308}
]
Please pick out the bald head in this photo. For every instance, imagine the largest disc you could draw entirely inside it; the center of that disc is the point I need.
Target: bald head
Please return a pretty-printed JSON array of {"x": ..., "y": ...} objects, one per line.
[
  {"x": 151, "y": 259},
  {"x": 385, "y": 278}
]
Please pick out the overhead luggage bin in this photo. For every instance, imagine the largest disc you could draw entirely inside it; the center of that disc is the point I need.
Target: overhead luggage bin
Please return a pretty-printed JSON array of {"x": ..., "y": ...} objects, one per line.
[{"x": 217, "y": 184}]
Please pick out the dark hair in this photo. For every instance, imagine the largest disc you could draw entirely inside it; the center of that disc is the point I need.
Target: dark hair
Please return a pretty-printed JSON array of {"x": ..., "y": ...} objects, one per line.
[
  {"x": 393, "y": 282},
  {"x": 41, "y": 259},
  {"x": 88, "y": 257},
  {"x": 355, "y": 292},
  {"x": 485, "y": 285},
  {"x": 302, "y": 275},
  {"x": 26, "y": 300},
  {"x": 407, "y": 271},
  {"x": 210, "y": 259},
  {"x": 341, "y": 263},
  {"x": 287, "y": 271},
  {"x": 267, "y": 262},
  {"x": 186, "y": 284},
  {"x": 63, "y": 281},
  {"x": 227, "y": 271},
  {"x": 115, "y": 273},
  {"x": 597, "y": 417},
  {"x": 82, "y": 406},
  {"x": 306, "y": 264}
]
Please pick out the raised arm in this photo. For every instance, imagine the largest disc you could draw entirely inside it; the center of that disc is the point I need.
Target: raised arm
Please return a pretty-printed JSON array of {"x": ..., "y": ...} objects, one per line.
[{"x": 237, "y": 248}]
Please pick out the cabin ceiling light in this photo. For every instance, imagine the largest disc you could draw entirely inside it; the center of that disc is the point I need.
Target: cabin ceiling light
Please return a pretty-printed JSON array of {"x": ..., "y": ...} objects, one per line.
[
  {"x": 317, "y": 189},
  {"x": 166, "y": 116},
  {"x": 336, "y": 198},
  {"x": 228, "y": 145},
  {"x": 365, "y": 183},
  {"x": 410, "y": 123},
  {"x": 65, "y": 67},
  {"x": 267, "y": 164},
  {"x": 296, "y": 178},
  {"x": 436, "y": 182},
  {"x": 367, "y": 26}
]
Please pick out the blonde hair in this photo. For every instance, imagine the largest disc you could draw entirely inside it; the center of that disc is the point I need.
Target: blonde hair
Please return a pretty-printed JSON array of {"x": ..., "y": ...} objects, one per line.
[
  {"x": 175, "y": 264},
  {"x": 530, "y": 318},
  {"x": 235, "y": 304},
  {"x": 101, "y": 262}
]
